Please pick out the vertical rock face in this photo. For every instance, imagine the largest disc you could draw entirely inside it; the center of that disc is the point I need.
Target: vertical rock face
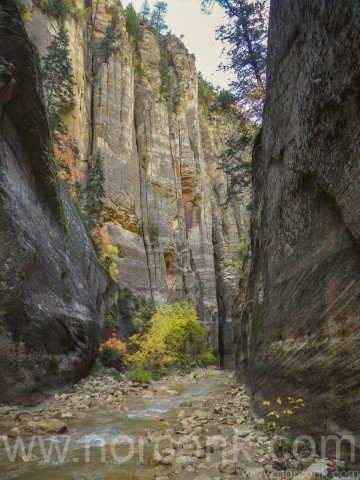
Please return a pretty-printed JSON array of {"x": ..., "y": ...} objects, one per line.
[
  {"x": 52, "y": 292},
  {"x": 163, "y": 192},
  {"x": 164, "y": 200},
  {"x": 300, "y": 330}
]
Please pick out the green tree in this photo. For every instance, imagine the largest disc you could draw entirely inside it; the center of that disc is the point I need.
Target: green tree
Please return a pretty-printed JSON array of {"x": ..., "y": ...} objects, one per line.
[
  {"x": 132, "y": 22},
  {"x": 235, "y": 162},
  {"x": 225, "y": 100},
  {"x": 157, "y": 18},
  {"x": 206, "y": 93},
  {"x": 245, "y": 33},
  {"x": 112, "y": 34},
  {"x": 95, "y": 192},
  {"x": 175, "y": 336},
  {"x": 165, "y": 87},
  {"x": 58, "y": 9},
  {"x": 58, "y": 80},
  {"x": 145, "y": 10}
]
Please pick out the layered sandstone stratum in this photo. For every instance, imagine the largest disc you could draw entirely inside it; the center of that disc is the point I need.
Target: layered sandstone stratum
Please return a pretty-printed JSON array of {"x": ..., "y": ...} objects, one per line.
[{"x": 164, "y": 194}]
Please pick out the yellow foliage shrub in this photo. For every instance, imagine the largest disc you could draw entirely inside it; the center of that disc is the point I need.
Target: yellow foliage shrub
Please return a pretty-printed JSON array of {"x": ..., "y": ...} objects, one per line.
[
  {"x": 107, "y": 252},
  {"x": 175, "y": 336}
]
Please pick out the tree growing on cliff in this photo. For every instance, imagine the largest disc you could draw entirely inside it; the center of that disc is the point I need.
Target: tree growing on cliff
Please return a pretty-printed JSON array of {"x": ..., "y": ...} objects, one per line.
[
  {"x": 245, "y": 33},
  {"x": 165, "y": 87},
  {"x": 145, "y": 10},
  {"x": 58, "y": 9},
  {"x": 95, "y": 193},
  {"x": 235, "y": 161},
  {"x": 157, "y": 18},
  {"x": 58, "y": 81},
  {"x": 132, "y": 23},
  {"x": 112, "y": 34}
]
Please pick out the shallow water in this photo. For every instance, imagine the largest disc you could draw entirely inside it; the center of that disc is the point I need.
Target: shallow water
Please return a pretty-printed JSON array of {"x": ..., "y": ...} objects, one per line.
[{"x": 107, "y": 444}]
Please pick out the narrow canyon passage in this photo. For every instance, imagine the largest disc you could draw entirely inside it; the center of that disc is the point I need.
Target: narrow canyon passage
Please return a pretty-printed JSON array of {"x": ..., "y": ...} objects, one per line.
[{"x": 159, "y": 222}]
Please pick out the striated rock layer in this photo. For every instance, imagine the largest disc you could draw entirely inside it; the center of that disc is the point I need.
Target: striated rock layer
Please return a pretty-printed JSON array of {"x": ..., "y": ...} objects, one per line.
[
  {"x": 300, "y": 330},
  {"x": 160, "y": 150},
  {"x": 165, "y": 219},
  {"x": 52, "y": 292}
]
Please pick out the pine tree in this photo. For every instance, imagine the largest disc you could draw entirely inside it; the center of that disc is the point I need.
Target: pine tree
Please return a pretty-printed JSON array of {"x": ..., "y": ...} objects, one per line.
[
  {"x": 235, "y": 162},
  {"x": 157, "y": 18},
  {"x": 132, "y": 22},
  {"x": 145, "y": 10},
  {"x": 58, "y": 9},
  {"x": 246, "y": 35},
  {"x": 58, "y": 80},
  {"x": 95, "y": 193},
  {"x": 112, "y": 35}
]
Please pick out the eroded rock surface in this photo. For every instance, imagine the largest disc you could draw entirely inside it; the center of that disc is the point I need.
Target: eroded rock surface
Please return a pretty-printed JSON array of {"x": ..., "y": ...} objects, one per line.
[
  {"x": 52, "y": 291},
  {"x": 300, "y": 332},
  {"x": 160, "y": 150}
]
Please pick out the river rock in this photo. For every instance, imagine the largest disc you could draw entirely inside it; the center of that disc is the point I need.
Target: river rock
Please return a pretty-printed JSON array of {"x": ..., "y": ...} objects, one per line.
[
  {"x": 52, "y": 425},
  {"x": 242, "y": 431},
  {"x": 184, "y": 460},
  {"x": 14, "y": 432},
  {"x": 5, "y": 410},
  {"x": 318, "y": 469},
  {"x": 67, "y": 415},
  {"x": 228, "y": 466},
  {"x": 172, "y": 392},
  {"x": 200, "y": 415}
]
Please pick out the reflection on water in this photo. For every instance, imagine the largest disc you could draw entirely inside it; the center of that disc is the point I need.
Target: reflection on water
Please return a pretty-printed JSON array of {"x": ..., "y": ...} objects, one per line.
[{"x": 107, "y": 444}]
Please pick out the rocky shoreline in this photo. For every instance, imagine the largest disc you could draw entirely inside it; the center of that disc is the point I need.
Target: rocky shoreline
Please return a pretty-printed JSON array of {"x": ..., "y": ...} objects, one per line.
[
  {"x": 217, "y": 438},
  {"x": 222, "y": 440},
  {"x": 104, "y": 392}
]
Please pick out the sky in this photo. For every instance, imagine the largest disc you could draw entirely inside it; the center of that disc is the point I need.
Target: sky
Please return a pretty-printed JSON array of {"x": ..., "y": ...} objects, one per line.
[{"x": 185, "y": 17}]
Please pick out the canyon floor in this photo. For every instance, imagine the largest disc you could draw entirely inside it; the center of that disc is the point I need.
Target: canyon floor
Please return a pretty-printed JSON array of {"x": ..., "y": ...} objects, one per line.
[{"x": 196, "y": 426}]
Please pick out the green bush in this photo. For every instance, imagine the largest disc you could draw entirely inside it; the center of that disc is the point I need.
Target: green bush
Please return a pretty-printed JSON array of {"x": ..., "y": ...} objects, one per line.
[
  {"x": 58, "y": 9},
  {"x": 110, "y": 325},
  {"x": 24, "y": 12},
  {"x": 153, "y": 230},
  {"x": 135, "y": 311},
  {"x": 164, "y": 68},
  {"x": 132, "y": 23},
  {"x": 110, "y": 357},
  {"x": 139, "y": 374},
  {"x": 207, "y": 358},
  {"x": 98, "y": 370}
]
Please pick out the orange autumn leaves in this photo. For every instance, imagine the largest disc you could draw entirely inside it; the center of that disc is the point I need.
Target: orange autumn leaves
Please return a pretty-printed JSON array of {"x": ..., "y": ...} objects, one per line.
[{"x": 66, "y": 153}]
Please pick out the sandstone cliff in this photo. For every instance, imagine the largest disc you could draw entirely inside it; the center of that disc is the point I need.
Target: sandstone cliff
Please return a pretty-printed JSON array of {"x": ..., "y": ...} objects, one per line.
[
  {"x": 160, "y": 151},
  {"x": 53, "y": 294},
  {"x": 164, "y": 197},
  {"x": 300, "y": 330}
]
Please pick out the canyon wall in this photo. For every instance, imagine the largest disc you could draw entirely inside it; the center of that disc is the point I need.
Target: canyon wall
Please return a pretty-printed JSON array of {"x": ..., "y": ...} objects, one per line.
[
  {"x": 300, "y": 331},
  {"x": 164, "y": 200},
  {"x": 53, "y": 294},
  {"x": 164, "y": 194}
]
